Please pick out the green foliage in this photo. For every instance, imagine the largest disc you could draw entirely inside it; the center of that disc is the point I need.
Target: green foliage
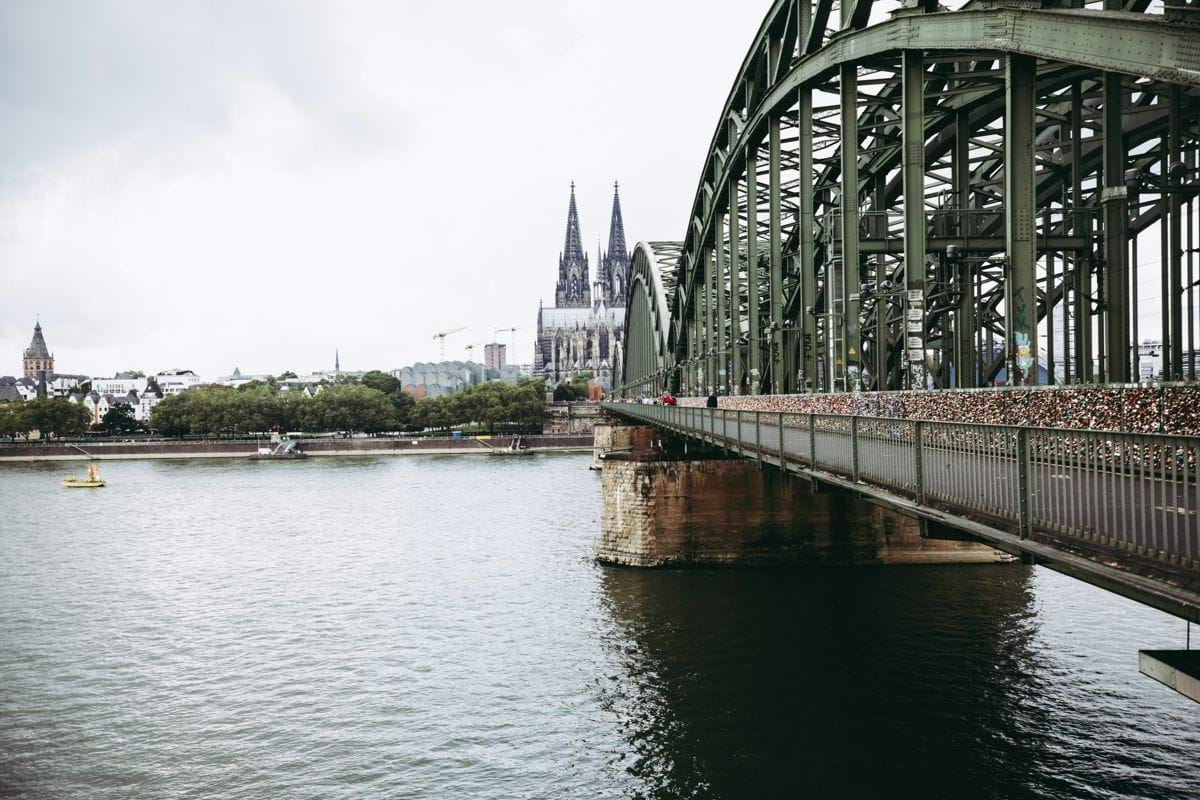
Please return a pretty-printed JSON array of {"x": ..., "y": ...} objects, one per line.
[
  {"x": 577, "y": 389},
  {"x": 119, "y": 418},
  {"x": 381, "y": 381},
  {"x": 352, "y": 408},
  {"x": 285, "y": 376},
  {"x": 256, "y": 408},
  {"x": 490, "y": 405},
  {"x": 390, "y": 385},
  {"x": 375, "y": 405},
  {"x": 130, "y": 374},
  {"x": 13, "y": 419},
  {"x": 51, "y": 417}
]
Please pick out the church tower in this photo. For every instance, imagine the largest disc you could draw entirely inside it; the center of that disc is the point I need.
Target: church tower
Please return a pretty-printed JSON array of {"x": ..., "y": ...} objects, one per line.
[
  {"x": 614, "y": 264},
  {"x": 574, "y": 287},
  {"x": 39, "y": 362}
]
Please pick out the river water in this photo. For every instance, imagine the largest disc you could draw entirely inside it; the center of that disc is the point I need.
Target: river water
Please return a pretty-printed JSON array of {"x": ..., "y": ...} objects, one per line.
[{"x": 433, "y": 627}]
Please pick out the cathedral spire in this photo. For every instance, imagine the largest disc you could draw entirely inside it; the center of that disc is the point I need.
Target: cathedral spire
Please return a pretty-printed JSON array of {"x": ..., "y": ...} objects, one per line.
[
  {"x": 574, "y": 287},
  {"x": 573, "y": 249},
  {"x": 616, "y": 229},
  {"x": 615, "y": 265}
]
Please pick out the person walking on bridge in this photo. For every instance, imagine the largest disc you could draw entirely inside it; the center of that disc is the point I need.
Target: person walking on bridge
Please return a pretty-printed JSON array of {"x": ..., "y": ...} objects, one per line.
[{"x": 712, "y": 398}]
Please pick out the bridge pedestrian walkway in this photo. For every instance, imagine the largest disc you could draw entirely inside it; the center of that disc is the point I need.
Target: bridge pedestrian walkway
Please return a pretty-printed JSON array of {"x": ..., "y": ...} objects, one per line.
[{"x": 1118, "y": 510}]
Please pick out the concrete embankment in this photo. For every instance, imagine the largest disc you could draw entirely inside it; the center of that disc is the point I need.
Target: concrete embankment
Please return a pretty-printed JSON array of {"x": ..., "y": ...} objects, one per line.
[{"x": 111, "y": 451}]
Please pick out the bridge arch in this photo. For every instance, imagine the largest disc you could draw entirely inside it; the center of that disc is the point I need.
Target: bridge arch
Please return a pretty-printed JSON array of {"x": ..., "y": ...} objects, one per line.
[
  {"x": 943, "y": 198},
  {"x": 647, "y": 365}
]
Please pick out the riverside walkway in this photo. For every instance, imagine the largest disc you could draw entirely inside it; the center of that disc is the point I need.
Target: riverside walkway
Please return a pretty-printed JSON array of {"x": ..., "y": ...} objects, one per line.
[{"x": 1118, "y": 510}]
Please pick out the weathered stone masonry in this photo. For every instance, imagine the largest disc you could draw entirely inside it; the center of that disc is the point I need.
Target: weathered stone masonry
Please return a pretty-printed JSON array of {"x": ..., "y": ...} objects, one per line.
[{"x": 661, "y": 507}]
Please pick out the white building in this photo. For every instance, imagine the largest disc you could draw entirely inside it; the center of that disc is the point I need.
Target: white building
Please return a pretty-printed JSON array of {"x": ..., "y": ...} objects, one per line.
[
  {"x": 119, "y": 385},
  {"x": 146, "y": 401},
  {"x": 174, "y": 381}
]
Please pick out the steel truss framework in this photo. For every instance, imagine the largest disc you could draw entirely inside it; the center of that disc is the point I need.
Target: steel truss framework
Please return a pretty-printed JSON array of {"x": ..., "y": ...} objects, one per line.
[{"x": 944, "y": 199}]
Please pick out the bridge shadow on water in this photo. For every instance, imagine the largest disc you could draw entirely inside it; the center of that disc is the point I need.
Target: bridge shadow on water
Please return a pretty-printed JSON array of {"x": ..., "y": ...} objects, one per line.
[{"x": 921, "y": 682}]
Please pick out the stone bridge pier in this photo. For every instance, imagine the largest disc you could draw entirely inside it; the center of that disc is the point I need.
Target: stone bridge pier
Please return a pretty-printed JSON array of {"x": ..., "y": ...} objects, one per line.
[{"x": 670, "y": 502}]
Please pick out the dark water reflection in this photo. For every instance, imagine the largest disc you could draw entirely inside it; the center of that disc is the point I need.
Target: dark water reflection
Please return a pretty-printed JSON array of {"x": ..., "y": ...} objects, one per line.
[{"x": 913, "y": 682}]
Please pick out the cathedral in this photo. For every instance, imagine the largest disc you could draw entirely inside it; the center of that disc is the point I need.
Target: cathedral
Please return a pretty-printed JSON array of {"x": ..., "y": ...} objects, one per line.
[{"x": 584, "y": 331}]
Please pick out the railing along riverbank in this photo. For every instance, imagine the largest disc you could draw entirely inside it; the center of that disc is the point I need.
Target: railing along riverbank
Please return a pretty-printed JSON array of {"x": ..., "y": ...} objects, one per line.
[{"x": 1136, "y": 492}]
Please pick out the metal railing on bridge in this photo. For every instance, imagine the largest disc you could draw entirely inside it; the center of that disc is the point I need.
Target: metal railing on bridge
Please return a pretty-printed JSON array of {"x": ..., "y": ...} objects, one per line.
[{"x": 1136, "y": 492}]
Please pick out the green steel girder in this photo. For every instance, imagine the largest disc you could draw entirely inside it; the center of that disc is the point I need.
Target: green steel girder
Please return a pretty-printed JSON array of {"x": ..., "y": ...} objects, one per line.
[
  {"x": 922, "y": 110},
  {"x": 647, "y": 364},
  {"x": 1127, "y": 44}
]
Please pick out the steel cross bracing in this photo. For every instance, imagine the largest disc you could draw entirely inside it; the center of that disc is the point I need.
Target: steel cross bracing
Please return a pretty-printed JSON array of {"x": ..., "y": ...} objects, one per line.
[{"x": 943, "y": 198}]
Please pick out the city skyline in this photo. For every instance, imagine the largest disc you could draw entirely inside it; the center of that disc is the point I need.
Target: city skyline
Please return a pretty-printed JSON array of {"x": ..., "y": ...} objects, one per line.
[{"x": 253, "y": 199}]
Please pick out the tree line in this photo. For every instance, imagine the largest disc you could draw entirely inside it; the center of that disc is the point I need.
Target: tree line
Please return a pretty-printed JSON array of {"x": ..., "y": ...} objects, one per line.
[
  {"x": 52, "y": 416},
  {"x": 375, "y": 404}
]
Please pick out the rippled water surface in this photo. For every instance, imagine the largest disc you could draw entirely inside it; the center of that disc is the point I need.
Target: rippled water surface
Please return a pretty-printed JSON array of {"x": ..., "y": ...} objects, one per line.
[{"x": 433, "y": 627}]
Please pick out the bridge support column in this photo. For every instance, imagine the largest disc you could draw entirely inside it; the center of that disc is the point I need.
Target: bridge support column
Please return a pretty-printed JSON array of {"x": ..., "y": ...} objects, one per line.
[
  {"x": 752, "y": 268},
  {"x": 662, "y": 506},
  {"x": 735, "y": 290},
  {"x": 722, "y": 345},
  {"x": 775, "y": 275},
  {"x": 808, "y": 266},
  {"x": 1020, "y": 283},
  {"x": 914, "y": 218}
]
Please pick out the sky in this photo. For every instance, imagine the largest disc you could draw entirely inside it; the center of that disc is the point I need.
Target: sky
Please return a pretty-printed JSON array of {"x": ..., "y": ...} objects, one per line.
[{"x": 204, "y": 185}]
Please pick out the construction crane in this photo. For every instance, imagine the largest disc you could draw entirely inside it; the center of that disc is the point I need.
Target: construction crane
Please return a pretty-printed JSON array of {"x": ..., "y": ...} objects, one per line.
[
  {"x": 470, "y": 348},
  {"x": 441, "y": 337},
  {"x": 509, "y": 330}
]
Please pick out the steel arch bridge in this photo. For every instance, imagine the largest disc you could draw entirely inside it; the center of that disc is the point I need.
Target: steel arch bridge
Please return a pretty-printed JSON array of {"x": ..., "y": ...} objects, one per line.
[{"x": 898, "y": 195}]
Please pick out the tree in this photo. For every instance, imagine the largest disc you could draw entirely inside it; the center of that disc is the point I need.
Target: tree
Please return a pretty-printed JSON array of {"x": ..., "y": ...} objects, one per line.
[
  {"x": 494, "y": 404},
  {"x": 381, "y": 381},
  {"x": 577, "y": 389},
  {"x": 119, "y": 418},
  {"x": 405, "y": 405},
  {"x": 13, "y": 419},
  {"x": 129, "y": 374},
  {"x": 259, "y": 407},
  {"x": 56, "y": 417},
  {"x": 286, "y": 376},
  {"x": 170, "y": 416}
]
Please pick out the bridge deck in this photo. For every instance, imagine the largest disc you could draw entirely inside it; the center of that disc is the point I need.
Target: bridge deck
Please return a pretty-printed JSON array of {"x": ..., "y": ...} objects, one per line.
[{"x": 1117, "y": 510}]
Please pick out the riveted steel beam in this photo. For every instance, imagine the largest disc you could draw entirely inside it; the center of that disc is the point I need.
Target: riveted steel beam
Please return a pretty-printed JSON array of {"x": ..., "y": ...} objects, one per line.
[
  {"x": 913, "y": 115},
  {"x": 736, "y": 328},
  {"x": 722, "y": 376},
  {"x": 1116, "y": 235},
  {"x": 846, "y": 191},
  {"x": 752, "y": 271},
  {"x": 775, "y": 233},
  {"x": 845, "y": 318},
  {"x": 1020, "y": 295}
]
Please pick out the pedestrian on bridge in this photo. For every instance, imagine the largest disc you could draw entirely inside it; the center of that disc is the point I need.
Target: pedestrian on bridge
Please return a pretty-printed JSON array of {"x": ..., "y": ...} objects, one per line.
[{"x": 712, "y": 398}]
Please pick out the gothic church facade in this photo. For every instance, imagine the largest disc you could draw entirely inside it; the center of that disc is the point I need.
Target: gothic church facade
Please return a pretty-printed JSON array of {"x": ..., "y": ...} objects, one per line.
[{"x": 584, "y": 331}]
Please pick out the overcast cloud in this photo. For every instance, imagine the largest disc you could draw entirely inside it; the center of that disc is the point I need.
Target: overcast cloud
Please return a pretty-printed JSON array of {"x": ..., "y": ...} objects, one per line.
[{"x": 211, "y": 184}]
